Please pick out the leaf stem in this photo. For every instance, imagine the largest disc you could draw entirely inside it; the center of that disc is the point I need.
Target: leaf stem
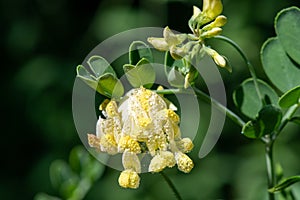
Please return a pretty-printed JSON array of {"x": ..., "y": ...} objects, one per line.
[
  {"x": 221, "y": 107},
  {"x": 235, "y": 118},
  {"x": 248, "y": 63},
  {"x": 286, "y": 118},
  {"x": 171, "y": 185},
  {"x": 270, "y": 166}
]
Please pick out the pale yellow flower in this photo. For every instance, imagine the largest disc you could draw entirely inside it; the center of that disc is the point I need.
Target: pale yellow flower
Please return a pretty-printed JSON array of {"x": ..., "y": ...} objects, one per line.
[
  {"x": 170, "y": 42},
  {"x": 142, "y": 122}
]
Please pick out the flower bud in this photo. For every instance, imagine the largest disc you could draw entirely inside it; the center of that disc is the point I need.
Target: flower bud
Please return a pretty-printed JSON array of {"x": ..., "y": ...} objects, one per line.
[
  {"x": 212, "y": 8},
  {"x": 219, "y": 60},
  {"x": 211, "y": 33},
  {"x": 218, "y": 22},
  {"x": 184, "y": 163},
  {"x": 129, "y": 179},
  {"x": 185, "y": 145}
]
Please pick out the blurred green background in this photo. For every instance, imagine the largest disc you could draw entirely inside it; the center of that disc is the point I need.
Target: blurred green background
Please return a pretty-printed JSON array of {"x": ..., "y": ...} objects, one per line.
[{"x": 41, "y": 44}]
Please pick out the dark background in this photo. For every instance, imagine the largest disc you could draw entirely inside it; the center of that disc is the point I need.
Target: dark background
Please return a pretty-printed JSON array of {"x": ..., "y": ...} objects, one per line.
[{"x": 41, "y": 44}]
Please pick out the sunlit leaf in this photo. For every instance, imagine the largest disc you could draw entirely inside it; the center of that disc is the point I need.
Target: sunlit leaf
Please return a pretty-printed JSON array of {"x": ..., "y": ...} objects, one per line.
[
  {"x": 139, "y": 50},
  {"x": 142, "y": 74},
  {"x": 110, "y": 86},
  {"x": 106, "y": 84},
  {"x": 284, "y": 184},
  {"x": 290, "y": 98},
  {"x": 99, "y": 66},
  {"x": 86, "y": 77}
]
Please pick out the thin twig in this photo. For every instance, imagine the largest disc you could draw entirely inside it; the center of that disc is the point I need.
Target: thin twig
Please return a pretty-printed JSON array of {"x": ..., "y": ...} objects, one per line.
[{"x": 171, "y": 185}]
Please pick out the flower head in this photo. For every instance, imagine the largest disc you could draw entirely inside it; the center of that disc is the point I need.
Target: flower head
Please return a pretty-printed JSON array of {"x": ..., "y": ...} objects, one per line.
[
  {"x": 143, "y": 122},
  {"x": 170, "y": 42},
  {"x": 204, "y": 24}
]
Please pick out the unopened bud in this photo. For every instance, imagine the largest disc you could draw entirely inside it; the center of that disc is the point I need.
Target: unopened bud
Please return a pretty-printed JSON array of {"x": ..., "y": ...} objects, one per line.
[
  {"x": 218, "y": 22},
  {"x": 212, "y": 8},
  {"x": 212, "y": 33},
  {"x": 219, "y": 60}
]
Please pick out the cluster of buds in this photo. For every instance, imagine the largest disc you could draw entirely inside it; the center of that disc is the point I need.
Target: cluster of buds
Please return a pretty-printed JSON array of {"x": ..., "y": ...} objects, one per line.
[
  {"x": 203, "y": 24},
  {"x": 143, "y": 122}
]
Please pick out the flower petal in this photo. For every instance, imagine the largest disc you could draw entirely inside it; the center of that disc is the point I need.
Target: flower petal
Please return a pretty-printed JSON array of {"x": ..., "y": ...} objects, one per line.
[
  {"x": 158, "y": 43},
  {"x": 131, "y": 161}
]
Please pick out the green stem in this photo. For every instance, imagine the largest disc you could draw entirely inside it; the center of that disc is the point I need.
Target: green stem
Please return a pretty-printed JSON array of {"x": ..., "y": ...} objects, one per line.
[
  {"x": 221, "y": 107},
  {"x": 249, "y": 65},
  {"x": 207, "y": 99},
  {"x": 286, "y": 118},
  {"x": 171, "y": 185},
  {"x": 270, "y": 166}
]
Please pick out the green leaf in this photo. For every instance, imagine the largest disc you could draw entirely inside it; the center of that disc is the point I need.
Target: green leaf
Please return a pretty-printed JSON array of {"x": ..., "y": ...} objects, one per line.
[
  {"x": 85, "y": 165},
  {"x": 287, "y": 26},
  {"x": 43, "y": 196},
  {"x": 175, "y": 78},
  {"x": 247, "y": 100},
  {"x": 251, "y": 130},
  {"x": 279, "y": 68},
  {"x": 295, "y": 120},
  {"x": 60, "y": 172},
  {"x": 110, "y": 86},
  {"x": 278, "y": 172},
  {"x": 106, "y": 84},
  {"x": 68, "y": 187},
  {"x": 139, "y": 50},
  {"x": 290, "y": 98},
  {"x": 79, "y": 158},
  {"x": 268, "y": 120},
  {"x": 86, "y": 77},
  {"x": 284, "y": 184},
  {"x": 99, "y": 66},
  {"x": 142, "y": 74}
]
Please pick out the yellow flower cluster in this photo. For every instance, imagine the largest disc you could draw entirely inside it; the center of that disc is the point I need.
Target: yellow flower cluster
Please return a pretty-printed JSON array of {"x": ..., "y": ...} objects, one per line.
[
  {"x": 204, "y": 24},
  {"x": 143, "y": 122}
]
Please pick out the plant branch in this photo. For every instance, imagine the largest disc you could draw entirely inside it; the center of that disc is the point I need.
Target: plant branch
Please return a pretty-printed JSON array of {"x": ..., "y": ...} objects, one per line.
[
  {"x": 171, "y": 185},
  {"x": 207, "y": 99},
  {"x": 221, "y": 107},
  {"x": 270, "y": 166},
  {"x": 248, "y": 63}
]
